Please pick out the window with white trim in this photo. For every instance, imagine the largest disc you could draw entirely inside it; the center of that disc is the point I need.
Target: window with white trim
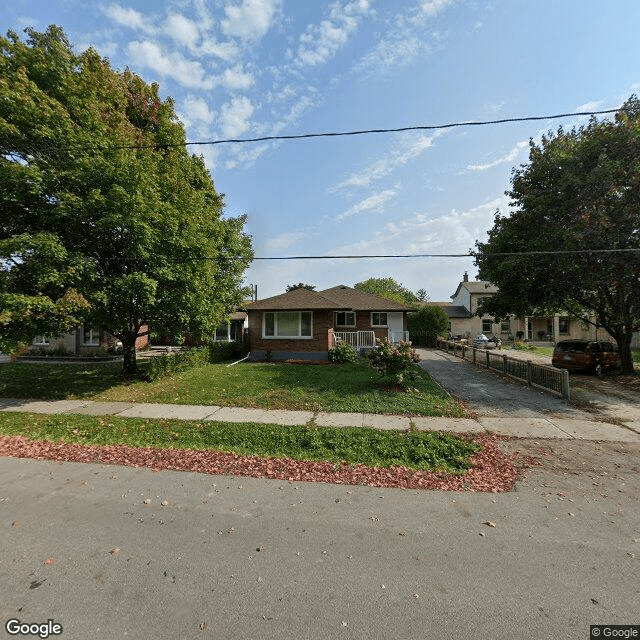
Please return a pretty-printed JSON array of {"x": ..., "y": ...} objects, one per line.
[
  {"x": 505, "y": 326},
  {"x": 90, "y": 335},
  {"x": 344, "y": 318},
  {"x": 287, "y": 324},
  {"x": 563, "y": 325},
  {"x": 223, "y": 333},
  {"x": 379, "y": 319},
  {"x": 487, "y": 325}
]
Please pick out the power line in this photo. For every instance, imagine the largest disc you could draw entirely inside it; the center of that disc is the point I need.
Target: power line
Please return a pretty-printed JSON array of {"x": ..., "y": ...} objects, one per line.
[
  {"x": 471, "y": 254},
  {"x": 334, "y": 134}
]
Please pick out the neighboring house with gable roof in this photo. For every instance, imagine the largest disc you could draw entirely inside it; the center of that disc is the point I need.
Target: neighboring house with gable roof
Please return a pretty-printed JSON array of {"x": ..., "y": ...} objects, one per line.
[
  {"x": 303, "y": 324},
  {"x": 552, "y": 328}
]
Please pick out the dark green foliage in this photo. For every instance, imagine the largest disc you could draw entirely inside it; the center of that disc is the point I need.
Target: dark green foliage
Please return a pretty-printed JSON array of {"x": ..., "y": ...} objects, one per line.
[
  {"x": 580, "y": 191},
  {"x": 396, "y": 364},
  {"x": 387, "y": 288},
  {"x": 300, "y": 285},
  {"x": 166, "y": 365},
  {"x": 342, "y": 353},
  {"x": 427, "y": 325},
  {"x": 102, "y": 203}
]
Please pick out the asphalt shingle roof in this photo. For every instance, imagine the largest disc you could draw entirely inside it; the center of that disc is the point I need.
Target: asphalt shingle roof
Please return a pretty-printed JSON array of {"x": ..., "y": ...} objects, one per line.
[{"x": 340, "y": 297}]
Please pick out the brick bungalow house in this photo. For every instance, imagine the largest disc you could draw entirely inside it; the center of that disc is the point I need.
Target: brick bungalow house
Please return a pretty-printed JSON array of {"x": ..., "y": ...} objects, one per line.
[{"x": 303, "y": 324}]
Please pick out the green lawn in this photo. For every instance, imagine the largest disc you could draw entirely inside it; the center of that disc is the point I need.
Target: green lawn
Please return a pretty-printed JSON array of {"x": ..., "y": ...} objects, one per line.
[
  {"x": 430, "y": 451},
  {"x": 350, "y": 388}
]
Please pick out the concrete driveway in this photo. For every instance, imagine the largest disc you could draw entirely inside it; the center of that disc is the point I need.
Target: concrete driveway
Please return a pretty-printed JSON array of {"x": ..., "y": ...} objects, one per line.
[{"x": 488, "y": 394}]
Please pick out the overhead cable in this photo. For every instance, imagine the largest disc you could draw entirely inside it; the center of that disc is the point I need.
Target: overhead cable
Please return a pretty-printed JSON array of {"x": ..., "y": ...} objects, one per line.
[{"x": 334, "y": 134}]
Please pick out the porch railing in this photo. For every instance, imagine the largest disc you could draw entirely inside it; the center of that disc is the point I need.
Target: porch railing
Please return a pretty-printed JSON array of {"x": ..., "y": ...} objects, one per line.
[
  {"x": 356, "y": 339},
  {"x": 398, "y": 336}
]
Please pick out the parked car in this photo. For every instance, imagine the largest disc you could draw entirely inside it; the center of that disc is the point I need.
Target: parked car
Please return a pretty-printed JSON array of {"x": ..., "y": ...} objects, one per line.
[{"x": 586, "y": 355}]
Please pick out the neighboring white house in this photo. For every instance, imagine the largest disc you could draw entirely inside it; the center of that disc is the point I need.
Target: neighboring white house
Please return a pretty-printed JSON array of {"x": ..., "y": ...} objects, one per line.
[{"x": 469, "y": 294}]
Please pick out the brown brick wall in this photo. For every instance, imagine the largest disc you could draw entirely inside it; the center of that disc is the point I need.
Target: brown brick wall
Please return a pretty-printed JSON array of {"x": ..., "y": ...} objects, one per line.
[{"x": 322, "y": 321}]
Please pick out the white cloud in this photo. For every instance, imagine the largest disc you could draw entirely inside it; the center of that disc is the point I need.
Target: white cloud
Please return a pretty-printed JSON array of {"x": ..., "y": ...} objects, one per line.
[
  {"x": 404, "y": 41},
  {"x": 428, "y": 9},
  {"x": 245, "y": 155},
  {"x": 182, "y": 30},
  {"x": 188, "y": 73},
  {"x": 296, "y": 111},
  {"x": 394, "y": 50},
  {"x": 512, "y": 156},
  {"x": 320, "y": 42},
  {"x": 235, "y": 115},
  {"x": 251, "y": 19},
  {"x": 127, "y": 17},
  {"x": 590, "y": 106},
  {"x": 227, "y": 51},
  {"x": 372, "y": 204},
  {"x": 196, "y": 111},
  {"x": 285, "y": 240},
  {"x": 235, "y": 78},
  {"x": 381, "y": 168}
]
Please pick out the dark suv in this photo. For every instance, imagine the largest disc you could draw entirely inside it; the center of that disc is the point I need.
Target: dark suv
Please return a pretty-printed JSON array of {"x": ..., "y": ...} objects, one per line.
[{"x": 586, "y": 355}]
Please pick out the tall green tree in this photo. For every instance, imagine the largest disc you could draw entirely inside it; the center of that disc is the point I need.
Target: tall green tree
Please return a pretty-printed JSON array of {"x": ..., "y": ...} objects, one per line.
[
  {"x": 387, "y": 288},
  {"x": 578, "y": 199},
  {"x": 93, "y": 164}
]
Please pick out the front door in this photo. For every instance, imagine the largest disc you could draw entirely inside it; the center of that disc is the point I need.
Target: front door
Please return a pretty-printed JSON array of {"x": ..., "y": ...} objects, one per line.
[{"x": 395, "y": 324}]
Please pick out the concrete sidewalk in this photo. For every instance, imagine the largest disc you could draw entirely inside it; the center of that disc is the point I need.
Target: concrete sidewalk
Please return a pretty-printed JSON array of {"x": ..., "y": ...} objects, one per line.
[{"x": 519, "y": 427}]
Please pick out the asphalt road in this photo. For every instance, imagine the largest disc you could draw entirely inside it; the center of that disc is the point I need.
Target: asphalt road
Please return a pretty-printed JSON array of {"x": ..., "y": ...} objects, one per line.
[{"x": 114, "y": 552}]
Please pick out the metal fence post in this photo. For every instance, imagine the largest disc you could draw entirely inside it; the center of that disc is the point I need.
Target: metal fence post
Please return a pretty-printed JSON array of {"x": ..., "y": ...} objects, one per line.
[
  {"x": 529, "y": 371},
  {"x": 566, "y": 389},
  {"x": 486, "y": 353}
]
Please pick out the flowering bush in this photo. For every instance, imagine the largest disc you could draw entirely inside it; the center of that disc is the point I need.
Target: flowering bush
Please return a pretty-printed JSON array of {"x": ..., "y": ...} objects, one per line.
[
  {"x": 397, "y": 364},
  {"x": 343, "y": 352}
]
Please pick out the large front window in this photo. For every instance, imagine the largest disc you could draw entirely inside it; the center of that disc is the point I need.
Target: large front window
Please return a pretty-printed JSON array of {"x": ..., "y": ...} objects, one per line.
[{"x": 287, "y": 324}]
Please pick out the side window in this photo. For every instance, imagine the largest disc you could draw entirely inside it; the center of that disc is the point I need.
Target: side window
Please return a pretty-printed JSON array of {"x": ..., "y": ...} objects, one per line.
[{"x": 379, "y": 319}]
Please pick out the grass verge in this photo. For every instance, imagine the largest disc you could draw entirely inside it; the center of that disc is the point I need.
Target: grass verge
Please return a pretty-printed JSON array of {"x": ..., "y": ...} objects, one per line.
[
  {"x": 420, "y": 450},
  {"x": 348, "y": 388}
]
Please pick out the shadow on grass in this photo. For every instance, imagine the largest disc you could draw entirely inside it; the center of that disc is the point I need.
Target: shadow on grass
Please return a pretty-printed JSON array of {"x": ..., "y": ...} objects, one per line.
[{"x": 59, "y": 381}]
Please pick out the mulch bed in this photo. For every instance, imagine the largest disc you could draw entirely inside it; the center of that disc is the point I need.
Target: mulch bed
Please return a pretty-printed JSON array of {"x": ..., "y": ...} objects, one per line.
[{"x": 492, "y": 470}]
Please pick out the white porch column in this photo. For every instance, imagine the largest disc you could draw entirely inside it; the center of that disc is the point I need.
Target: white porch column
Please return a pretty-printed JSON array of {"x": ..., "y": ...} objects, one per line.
[{"x": 556, "y": 327}]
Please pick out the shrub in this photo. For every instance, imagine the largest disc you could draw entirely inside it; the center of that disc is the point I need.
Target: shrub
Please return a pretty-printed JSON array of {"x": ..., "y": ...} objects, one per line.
[
  {"x": 165, "y": 365},
  {"x": 427, "y": 324},
  {"x": 396, "y": 364},
  {"x": 221, "y": 351},
  {"x": 342, "y": 353},
  {"x": 523, "y": 346},
  {"x": 160, "y": 366}
]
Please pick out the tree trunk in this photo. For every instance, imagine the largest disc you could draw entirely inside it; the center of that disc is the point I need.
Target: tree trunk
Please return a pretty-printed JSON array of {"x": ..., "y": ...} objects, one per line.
[
  {"x": 129, "y": 364},
  {"x": 626, "y": 357}
]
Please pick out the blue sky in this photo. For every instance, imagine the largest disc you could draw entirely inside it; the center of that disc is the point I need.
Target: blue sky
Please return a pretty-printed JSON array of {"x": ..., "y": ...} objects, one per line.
[{"x": 250, "y": 68}]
